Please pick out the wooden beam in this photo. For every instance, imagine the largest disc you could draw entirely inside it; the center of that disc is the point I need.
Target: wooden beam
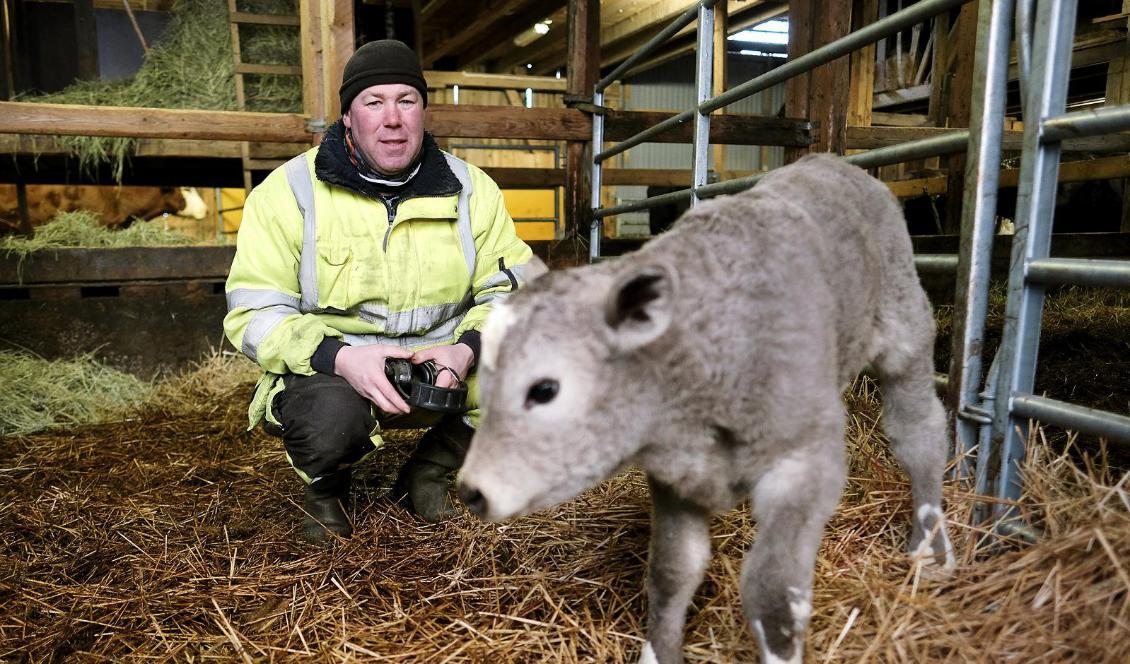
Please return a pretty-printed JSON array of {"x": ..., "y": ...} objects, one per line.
[
  {"x": 265, "y": 19},
  {"x": 540, "y": 178},
  {"x": 503, "y": 34},
  {"x": 1085, "y": 170},
  {"x": 467, "y": 79},
  {"x": 432, "y": 9},
  {"x": 69, "y": 120},
  {"x": 443, "y": 120},
  {"x": 869, "y": 138},
  {"x": 732, "y": 129},
  {"x": 454, "y": 39},
  {"x": 880, "y": 119}
]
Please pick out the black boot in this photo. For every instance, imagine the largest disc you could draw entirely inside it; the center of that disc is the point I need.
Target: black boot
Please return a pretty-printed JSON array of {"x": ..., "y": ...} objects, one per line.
[
  {"x": 425, "y": 480},
  {"x": 325, "y": 503}
]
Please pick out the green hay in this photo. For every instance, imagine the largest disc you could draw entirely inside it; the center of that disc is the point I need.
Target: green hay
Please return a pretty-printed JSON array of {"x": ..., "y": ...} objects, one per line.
[
  {"x": 81, "y": 229},
  {"x": 40, "y": 394},
  {"x": 191, "y": 67}
]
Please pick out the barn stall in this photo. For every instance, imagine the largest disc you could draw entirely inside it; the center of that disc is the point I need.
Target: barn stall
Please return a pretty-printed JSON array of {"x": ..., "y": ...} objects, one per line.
[{"x": 152, "y": 525}]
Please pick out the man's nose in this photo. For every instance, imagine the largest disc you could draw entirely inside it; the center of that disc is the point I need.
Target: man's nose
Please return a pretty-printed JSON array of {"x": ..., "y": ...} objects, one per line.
[{"x": 390, "y": 116}]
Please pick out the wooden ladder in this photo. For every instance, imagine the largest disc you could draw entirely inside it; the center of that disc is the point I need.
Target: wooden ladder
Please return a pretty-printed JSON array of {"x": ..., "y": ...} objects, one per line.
[{"x": 252, "y": 160}]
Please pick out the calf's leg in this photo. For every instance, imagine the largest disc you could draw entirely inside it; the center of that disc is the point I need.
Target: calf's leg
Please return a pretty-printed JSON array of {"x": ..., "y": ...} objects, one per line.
[
  {"x": 791, "y": 502},
  {"x": 680, "y": 549},
  {"x": 915, "y": 421}
]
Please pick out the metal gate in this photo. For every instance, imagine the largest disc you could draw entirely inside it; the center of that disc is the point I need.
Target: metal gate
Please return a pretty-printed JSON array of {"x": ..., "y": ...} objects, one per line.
[{"x": 991, "y": 420}]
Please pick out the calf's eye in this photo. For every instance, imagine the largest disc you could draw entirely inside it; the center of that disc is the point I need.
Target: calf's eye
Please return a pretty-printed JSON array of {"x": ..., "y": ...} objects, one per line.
[{"x": 541, "y": 392}]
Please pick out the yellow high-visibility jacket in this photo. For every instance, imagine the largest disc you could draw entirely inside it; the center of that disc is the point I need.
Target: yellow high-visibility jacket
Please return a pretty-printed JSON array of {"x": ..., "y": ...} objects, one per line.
[{"x": 316, "y": 260}]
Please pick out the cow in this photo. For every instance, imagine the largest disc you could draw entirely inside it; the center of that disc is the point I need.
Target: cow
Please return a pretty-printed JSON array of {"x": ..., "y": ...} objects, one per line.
[
  {"x": 116, "y": 207},
  {"x": 714, "y": 359}
]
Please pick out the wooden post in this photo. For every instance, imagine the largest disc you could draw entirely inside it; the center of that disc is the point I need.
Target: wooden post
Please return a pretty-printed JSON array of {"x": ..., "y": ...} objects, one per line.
[
  {"x": 86, "y": 37},
  {"x": 721, "y": 30},
  {"x": 313, "y": 87},
  {"x": 862, "y": 89},
  {"x": 828, "y": 90},
  {"x": 582, "y": 69},
  {"x": 1118, "y": 93},
  {"x": 338, "y": 43},
  {"x": 957, "y": 105},
  {"x": 796, "y": 88}
]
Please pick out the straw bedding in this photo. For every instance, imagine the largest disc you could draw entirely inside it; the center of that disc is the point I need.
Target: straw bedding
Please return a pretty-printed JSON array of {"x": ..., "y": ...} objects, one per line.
[{"x": 172, "y": 535}]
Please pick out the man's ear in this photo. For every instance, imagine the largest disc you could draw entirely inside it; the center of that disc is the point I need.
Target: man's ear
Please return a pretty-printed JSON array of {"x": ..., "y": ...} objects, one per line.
[
  {"x": 534, "y": 269},
  {"x": 346, "y": 120},
  {"x": 639, "y": 307}
]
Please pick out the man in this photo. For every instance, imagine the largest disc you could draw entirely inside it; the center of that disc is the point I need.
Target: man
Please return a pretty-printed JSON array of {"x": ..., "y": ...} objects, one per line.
[{"x": 374, "y": 245}]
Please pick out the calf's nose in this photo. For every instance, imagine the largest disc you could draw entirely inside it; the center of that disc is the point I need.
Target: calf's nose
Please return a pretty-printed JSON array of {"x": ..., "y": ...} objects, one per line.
[{"x": 473, "y": 499}]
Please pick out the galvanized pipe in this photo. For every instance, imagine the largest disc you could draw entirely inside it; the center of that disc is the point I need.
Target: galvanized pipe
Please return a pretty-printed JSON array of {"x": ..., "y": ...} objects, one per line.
[
  {"x": 704, "y": 82},
  {"x": 864, "y": 36},
  {"x": 1080, "y": 272},
  {"x": 935, "y": 263},
  {"x": 684, "y": 19},
  {"x": 644, "y": 203},
  {"x": 979, "y": 208},
  {"x": 596, "y": 229},
  {"x": 1100, "y": 423},
  {"x": 1035, "y": 203},
  {"x": 854, "y": 41},
  {"x": 1086, "y": 123}
]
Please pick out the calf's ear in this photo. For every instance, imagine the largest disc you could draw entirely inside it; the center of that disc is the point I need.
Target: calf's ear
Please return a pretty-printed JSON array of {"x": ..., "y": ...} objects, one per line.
[{"x": 639, "y": 306}]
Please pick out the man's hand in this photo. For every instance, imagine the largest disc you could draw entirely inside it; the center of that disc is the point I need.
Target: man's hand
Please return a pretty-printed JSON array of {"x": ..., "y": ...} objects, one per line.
[
  {"x": 363, "y": 367},
  {"x": 457, "y": 357}
]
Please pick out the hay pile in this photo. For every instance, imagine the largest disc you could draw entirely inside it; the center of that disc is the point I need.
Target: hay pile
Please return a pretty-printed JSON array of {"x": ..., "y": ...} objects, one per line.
[
  {"x": 191, "y": 67},
  {"x": 81, "y": 229},
  {"x": 173, "y": 536}
]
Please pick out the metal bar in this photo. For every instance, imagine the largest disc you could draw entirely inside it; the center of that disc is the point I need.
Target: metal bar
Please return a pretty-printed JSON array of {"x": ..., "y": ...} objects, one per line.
[
  {"x": 1112, "y": 426},
  {"x": 1087, "y": 123},
  {"x": 655, "y": 42},
  {"x": 807, "y": 62},
  {"x": 935, "y": 263},
  {"x": 950, "y": 143},
  {"x": 704, "y": 83},
  {"x": 978, "y": 217},
  {"x": 865, "y": 36},
  {"x": 596, "y": 229},
  {"x": 1080, "y": 272},
  {"x": 644, "y": 203},
  {"x": 642, "y": 137},
  {"x": 1035, "y": 204},
  {"x": 1024, "y": 9}
]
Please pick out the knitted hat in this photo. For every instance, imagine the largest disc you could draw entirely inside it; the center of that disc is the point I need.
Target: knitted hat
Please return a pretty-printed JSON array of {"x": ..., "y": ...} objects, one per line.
[{"x": 379, "y": 62}]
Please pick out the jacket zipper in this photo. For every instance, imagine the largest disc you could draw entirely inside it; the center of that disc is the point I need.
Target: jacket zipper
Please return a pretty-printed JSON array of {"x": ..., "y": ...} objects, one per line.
[{"x": 390, "y": 208}]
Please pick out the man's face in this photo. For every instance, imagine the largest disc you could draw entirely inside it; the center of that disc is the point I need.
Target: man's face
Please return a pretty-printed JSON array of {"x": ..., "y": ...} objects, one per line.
[{"x": 387, "y": 122}]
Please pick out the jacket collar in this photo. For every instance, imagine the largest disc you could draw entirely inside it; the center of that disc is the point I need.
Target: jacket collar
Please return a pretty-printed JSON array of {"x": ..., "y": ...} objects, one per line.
[{"x": 332, "y": 166}]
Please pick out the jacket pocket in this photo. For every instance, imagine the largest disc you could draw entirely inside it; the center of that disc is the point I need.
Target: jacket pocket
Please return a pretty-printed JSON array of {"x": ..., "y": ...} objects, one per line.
[{"x": 334, "y": 266}]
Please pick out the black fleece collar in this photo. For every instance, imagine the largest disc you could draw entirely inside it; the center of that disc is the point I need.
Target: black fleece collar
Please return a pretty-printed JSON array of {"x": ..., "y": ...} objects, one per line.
[{"x": 332, "y": 166}]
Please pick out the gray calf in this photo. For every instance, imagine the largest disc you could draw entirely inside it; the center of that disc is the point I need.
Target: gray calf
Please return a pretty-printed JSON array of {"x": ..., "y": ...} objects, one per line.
[{"x": 714, "y": 359}]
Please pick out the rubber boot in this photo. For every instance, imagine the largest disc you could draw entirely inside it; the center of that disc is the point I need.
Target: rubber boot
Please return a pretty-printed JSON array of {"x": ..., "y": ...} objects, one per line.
[
  {"x": 325, "y": 503},
  {"x": 426, "y": 478}
]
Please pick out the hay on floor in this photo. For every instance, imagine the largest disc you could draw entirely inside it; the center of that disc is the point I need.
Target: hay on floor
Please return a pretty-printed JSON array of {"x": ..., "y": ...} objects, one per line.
[{"x": 173, "y": 536}]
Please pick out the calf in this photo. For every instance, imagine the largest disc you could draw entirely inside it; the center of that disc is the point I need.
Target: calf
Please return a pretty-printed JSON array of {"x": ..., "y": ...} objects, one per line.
[{"x": 714, "y": 359}]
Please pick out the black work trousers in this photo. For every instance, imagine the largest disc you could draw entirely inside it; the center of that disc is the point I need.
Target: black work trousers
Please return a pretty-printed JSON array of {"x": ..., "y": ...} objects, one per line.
[{"x": 327, "y": 426}]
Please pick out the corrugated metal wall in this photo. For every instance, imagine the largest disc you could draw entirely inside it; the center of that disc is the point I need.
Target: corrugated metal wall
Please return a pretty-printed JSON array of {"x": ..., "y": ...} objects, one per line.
[{"x": 670, "y": 87}]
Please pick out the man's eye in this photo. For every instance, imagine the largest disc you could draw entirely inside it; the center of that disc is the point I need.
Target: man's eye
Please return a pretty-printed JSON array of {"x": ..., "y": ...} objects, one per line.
[{"x": 541, "y": 392}]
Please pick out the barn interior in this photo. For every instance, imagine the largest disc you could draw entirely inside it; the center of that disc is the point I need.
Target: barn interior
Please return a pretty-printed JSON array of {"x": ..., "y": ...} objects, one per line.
[{"x": 142, "y": 519}]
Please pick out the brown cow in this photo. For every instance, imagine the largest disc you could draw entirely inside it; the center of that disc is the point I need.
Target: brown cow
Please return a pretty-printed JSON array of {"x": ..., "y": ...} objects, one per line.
[{"x": 115, "y": 206}]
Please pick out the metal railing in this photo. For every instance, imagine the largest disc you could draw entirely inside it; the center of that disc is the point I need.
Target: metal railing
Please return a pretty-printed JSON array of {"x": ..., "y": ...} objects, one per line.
[
  {"x": 930, "y": 147},
  {"x": 991, "y": 416}
]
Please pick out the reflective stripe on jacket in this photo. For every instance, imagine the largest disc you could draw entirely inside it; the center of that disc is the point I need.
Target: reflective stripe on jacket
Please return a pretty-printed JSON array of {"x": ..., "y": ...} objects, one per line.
[{"x": 315, "y": 260}]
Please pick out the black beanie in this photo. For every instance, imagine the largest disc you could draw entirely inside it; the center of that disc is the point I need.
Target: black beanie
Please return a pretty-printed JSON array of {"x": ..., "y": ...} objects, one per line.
[{"x": 379, "y": 62}]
